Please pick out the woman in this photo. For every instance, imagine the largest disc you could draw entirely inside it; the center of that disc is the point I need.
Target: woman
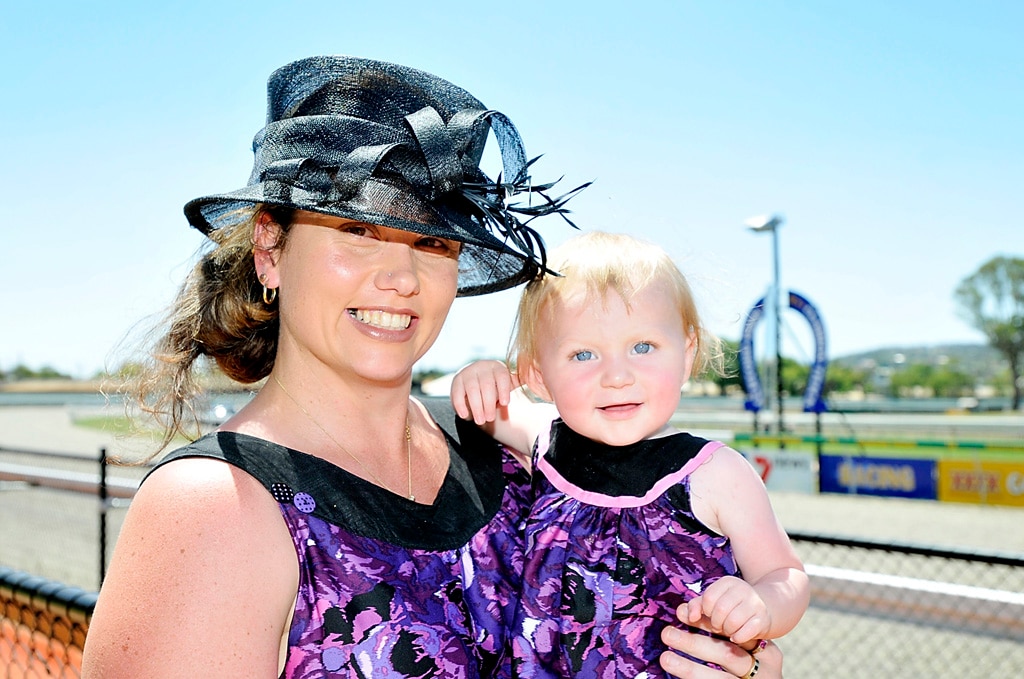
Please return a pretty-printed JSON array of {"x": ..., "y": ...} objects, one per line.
[{"x": 332, "y": 272}]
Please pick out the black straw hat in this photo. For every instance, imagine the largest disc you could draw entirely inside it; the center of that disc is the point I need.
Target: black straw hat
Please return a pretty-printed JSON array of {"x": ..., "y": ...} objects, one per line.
[{"x": 387, "y": 144}]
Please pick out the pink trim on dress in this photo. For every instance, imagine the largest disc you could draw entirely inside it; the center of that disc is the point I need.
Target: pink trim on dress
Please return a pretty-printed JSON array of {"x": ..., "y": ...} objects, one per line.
[{"x": 602, "y": 500}]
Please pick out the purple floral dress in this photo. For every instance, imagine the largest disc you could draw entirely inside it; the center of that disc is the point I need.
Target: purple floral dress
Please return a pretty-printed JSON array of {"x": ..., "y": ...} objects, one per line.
[
  {"x": 388, "y": 587},
  {"x": 612, "y": 548}
]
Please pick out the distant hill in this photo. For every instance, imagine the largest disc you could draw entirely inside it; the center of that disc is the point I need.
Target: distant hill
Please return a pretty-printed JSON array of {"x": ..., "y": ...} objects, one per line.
[{"x": 973, "y": 359}]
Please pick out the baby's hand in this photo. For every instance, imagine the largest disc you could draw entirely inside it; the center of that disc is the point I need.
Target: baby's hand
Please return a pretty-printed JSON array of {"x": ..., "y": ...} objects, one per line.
[
  {"x": 730, "y": 606},
  {"x": 479, "y": 389}
]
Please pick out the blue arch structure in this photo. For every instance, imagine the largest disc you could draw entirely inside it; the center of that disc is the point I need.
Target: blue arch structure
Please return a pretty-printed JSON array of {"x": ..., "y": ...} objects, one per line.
[{"x": 813, "y": 402}]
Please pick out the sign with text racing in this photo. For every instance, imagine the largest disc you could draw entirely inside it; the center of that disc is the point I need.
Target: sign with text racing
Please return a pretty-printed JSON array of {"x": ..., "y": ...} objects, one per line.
[{"x": 892, "y": 477}]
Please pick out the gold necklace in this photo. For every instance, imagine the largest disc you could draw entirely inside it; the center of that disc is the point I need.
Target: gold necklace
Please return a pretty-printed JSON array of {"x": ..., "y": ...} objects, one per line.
[{"x": 408, "y": 445}]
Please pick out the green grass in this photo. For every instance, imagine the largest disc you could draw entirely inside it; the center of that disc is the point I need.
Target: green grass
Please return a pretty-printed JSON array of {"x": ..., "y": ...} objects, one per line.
[
  {"x": 123, "y": 426},
  {"x": 1003, "y": 451},
  {"x": 118, "y": 425}
]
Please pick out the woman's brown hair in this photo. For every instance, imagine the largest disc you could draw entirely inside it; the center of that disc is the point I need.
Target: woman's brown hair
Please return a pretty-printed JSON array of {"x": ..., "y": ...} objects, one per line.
[{"x": 219, "y": 312}]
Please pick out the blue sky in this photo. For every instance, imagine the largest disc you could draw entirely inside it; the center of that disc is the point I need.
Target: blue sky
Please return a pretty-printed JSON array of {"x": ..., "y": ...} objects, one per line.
[{"x": 889, "y": 136}]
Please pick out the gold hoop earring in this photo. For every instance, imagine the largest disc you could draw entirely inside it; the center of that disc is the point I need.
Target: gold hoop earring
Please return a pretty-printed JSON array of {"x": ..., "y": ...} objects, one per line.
[{"x": 269, "y": 294}]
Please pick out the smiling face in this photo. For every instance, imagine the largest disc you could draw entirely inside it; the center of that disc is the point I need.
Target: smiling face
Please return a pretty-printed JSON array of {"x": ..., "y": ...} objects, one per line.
[
  {"x": 613, "y": 370},
  {"x": 363, "y": 300}
]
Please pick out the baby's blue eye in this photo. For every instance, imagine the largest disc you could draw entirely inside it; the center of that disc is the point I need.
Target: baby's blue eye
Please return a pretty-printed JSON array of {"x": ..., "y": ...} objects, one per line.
[
  {"x": 643, "y": 347},
  {"x": 583, "y": 355}
]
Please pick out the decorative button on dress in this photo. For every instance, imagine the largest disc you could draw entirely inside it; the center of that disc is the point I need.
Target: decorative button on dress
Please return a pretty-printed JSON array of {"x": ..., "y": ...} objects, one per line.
[{"x": 612, "y": 548}]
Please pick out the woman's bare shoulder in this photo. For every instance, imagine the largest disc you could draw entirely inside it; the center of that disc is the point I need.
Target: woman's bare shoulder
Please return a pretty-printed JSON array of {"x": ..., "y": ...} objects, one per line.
[{"x": 200, "y": 538}]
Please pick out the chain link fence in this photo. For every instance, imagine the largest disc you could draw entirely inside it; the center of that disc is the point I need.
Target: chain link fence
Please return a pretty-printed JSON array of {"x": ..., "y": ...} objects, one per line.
[
  {"x": 61, "y": 513},
  {"x": 43, "y": 625},
  {"x": 896, "y": 610}
]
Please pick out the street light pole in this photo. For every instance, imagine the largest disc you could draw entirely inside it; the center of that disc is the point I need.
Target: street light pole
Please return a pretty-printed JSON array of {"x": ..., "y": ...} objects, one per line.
[{"x": 759, "y": 225}]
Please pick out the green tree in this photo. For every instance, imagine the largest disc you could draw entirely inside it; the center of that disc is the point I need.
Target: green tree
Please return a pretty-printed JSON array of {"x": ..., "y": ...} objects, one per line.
[
  {"x": 949, "y": 382},
  {"x": 944, "y": 381},
  {"x": 914, "y": 375},
  {"x": 23, "y": 372},
  {"x": 794, "y": 376},
  {"x": 844, "y": 379},
  {"x": 992, "y": 300}
]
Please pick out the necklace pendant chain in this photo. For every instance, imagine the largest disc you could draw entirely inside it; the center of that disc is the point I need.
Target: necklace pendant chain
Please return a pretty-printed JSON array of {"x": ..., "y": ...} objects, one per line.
[
  {"x": 408, "y": 452},
  {"x": 408, "y": 445}
]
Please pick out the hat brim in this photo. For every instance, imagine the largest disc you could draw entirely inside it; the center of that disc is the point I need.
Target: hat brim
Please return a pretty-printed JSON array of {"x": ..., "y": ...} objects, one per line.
[{"x": 486, "y": 263}]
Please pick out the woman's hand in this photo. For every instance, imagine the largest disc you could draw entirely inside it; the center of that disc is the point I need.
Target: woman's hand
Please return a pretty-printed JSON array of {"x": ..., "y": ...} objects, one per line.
[{"x": 735, "y": 660}]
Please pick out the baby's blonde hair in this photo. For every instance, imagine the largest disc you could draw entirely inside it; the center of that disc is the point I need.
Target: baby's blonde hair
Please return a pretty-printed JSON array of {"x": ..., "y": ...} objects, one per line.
[{"x": 591, "y": 265}]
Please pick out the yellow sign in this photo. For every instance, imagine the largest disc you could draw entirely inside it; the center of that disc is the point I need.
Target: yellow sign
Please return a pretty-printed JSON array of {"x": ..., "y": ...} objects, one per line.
[{"x": 993, "y": 483}]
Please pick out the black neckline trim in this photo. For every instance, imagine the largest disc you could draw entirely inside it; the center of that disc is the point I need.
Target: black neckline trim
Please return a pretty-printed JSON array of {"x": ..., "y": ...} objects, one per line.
[
  {"x": 631, "y": 470},
  {"x": 470, "y": 494}
]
